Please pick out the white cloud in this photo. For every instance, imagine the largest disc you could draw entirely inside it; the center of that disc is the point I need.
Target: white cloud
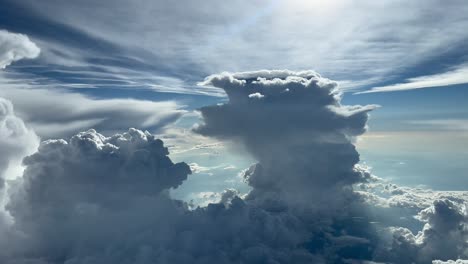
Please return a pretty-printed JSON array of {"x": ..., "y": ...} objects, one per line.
[
  {"x": 458, "y": 261},
  {"x": 256, "y": 95},
  {"x": 55, "y": 114},
  {"x": 16, "y": 141},
  {"x": 14, "y": 47},
  {"x": 453, "y": 77}
]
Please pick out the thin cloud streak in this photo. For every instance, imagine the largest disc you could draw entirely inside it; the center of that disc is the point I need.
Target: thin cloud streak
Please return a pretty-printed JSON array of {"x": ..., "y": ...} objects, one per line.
[
  {"x": 443, "y": 124},
  {"x": 453, "y": 77}
]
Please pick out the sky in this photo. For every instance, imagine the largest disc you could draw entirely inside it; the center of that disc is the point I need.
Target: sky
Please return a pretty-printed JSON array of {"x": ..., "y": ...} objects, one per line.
[{"x": 262, "y": 105}]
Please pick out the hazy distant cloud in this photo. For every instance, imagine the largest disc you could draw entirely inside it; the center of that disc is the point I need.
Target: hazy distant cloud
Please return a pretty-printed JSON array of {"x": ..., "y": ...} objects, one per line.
[
  {"x": 453, "y": 77},
  {"x": 442, "y": 124},
  {"x": 14, "y": 47}
]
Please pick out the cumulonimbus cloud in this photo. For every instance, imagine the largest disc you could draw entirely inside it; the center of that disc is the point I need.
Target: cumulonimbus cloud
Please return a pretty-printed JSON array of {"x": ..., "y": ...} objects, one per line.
[{"x": 297, "y": 130}]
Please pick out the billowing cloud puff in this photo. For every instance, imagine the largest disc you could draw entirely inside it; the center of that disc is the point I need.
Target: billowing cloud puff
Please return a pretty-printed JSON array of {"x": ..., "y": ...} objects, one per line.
[
  {"x": 14, "y": 47},
  {"x": 15, "y": 138},
  {"x": 458, "y": 261},
  {"x": 16, "y": 141},
  {"x": 421, "y": 224},
  {"x": 444, "y": 236},
  {"x": 83, "y": 194}
]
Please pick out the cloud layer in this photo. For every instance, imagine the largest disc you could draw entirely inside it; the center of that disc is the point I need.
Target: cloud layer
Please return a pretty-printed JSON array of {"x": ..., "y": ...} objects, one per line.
[
  {"x": 62, "y": 114},
  {"x": 95, "y": 199},
  {"x": 16, "y": 142},
  {"x": 361, "y": 42}
]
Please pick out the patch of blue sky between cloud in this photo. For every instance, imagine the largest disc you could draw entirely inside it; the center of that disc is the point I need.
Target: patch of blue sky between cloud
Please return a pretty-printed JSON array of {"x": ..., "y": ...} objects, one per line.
[{"x": 435, "y": 158}]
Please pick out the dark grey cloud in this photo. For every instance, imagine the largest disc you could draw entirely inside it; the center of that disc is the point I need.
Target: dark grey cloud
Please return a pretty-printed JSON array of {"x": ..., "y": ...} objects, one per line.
[
  {"x": 94, "y": 199},
  {"x": 81, "y": 195},
  {"x": 297, "y": 130}
]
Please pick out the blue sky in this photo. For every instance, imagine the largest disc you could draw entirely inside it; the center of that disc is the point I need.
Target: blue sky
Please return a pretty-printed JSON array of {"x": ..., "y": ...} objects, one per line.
[{"x": 409, "y": 58}]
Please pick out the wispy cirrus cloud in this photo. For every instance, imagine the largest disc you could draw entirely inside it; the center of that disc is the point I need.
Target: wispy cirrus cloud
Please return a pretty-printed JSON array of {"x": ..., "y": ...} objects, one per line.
[
  {"x": 362, "y": 43},
  {"x": 456, "y": 76},
  {"x": 53, "y": 112}
]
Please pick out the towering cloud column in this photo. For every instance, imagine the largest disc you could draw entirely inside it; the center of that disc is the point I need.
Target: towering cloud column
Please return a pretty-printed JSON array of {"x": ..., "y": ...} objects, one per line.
[
  {"x": 16, "y": 142},
  {"x": 294, "y": 125}
]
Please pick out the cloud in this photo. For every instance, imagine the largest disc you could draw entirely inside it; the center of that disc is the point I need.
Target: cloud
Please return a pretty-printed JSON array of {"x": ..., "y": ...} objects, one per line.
[
  {"x": 14, "y": 47},
  {"x": 56, "y": 114},
  {"x": 99, "y": 199},
  {"x": 53, "y": 112},
  {"x": 421, "y": 224},
  {"x": 442, "y": 124},
  {"x": 299, "y": 116},
  {"x": 359, "y": 42},
  {"x": 444, "y": 235},
  {"x": 106, "y": 199},
  {"x": 457, "y": 76},
  {"x": 16, "y": 142},
  {"x": 458, "y": 261},
  {"x": 93, "y": 181}
]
